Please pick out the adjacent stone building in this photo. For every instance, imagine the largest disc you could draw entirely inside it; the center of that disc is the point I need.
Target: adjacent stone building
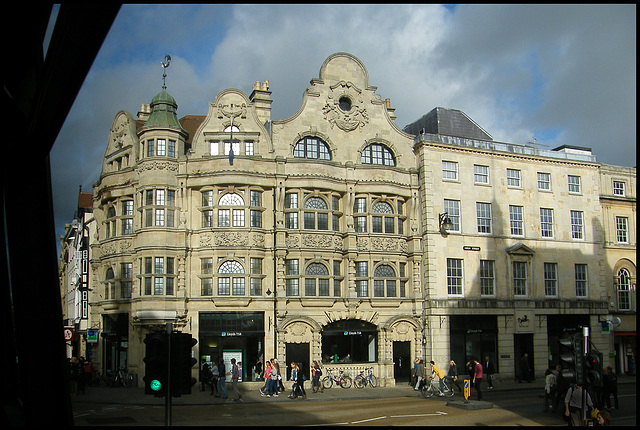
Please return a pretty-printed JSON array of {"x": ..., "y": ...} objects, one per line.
[{"x": 334, "y": 235}]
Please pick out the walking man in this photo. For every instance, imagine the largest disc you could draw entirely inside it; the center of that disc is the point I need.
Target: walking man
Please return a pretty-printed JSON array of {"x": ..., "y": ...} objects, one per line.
[
  {"x": 222, "y": 380},
  {"x": 489, "y": 370},
  {"x": 235, "y": 375},
  {"x": 477, "y": 377}
]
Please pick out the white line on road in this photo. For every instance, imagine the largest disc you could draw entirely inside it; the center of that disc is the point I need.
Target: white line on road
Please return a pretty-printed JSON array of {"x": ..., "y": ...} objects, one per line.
[
  {"x": 437, "y": 414},
  {"x": 370, "y": 419}
]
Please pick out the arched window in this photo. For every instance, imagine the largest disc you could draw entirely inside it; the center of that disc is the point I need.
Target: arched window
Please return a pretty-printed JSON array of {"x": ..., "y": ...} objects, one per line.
[
  {"x": 378, "y": 217},
  {"x": 349, "y": 340},
  {"x": 316, "y": 214},
  {"x": 378, "y": 221},
  {"x": 377, "y": 153},
  {"x": 316, "y": 281},
  {"x": 388, "y": 280},
  {"x": 228, "y": 217},
  {"x": 624, "y": 290},
  {"x": 233, "y": 285},
  {"x": 313, "y": 148}
]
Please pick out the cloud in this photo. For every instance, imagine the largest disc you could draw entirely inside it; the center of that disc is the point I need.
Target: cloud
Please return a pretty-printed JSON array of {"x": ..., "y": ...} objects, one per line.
[{"x": 565, "y": 74}]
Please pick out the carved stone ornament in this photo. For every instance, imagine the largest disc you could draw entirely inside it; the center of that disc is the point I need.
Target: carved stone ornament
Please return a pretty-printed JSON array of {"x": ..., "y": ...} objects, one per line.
[
  {"x": 119, "y": 132},
  {"x": 346, "y": 118}
]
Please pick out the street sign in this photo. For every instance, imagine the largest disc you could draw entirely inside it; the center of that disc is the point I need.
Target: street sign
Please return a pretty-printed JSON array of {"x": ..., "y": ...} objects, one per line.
[{"x": 467, "y": 389}]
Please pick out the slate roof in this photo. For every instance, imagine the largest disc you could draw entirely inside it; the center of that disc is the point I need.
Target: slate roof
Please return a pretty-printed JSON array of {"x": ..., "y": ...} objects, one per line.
[{"x": 449, "y": 122}]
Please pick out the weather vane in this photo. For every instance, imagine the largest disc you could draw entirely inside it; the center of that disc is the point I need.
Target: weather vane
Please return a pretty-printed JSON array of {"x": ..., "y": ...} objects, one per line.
[{"x": 165, "y": 64}]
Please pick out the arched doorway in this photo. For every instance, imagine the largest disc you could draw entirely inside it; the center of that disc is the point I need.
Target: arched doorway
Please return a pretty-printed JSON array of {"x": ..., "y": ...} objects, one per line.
[{"x": 350, "y": 340}]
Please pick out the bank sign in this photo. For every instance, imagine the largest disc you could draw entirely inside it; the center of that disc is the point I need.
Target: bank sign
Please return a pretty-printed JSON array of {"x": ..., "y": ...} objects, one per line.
[{"x": 352, "y": 333}]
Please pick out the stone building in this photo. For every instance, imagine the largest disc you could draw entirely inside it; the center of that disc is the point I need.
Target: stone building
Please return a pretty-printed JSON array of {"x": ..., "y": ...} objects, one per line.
[{"x": 334, "y": 235}]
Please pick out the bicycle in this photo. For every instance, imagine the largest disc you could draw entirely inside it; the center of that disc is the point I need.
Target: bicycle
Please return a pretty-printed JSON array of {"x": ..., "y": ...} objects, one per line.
[
  {"x": 123, "y": 378},
  {"x": 342, "y": 380},
  {"x": 363, "y": 379},
  {"x": 434, "y": 387}
]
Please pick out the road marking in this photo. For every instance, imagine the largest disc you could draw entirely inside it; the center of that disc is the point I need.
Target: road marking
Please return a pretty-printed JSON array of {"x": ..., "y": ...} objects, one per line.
[
  {"x": 437, "y": 414},
  {"x": 370, "y": 419}
]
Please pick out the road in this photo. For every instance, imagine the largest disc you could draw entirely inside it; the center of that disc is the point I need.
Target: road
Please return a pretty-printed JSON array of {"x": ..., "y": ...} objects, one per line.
[{"x": 510, "y": 408}]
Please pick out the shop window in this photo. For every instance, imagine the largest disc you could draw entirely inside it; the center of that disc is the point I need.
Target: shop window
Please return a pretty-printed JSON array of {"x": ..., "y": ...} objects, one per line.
[{"x": 349, "y": 341}]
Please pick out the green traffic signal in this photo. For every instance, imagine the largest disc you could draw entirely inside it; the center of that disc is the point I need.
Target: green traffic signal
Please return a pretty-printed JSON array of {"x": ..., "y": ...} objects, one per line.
[{"x": 155, "y": 385}]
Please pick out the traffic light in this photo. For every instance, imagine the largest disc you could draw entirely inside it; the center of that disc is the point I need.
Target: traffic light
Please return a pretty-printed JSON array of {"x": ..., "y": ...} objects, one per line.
[
  {"x": 573, "y": 360},
  {"x": 593, "y": 369},
  {"x": 155, "y": 359},
  {"x": 181, "y": 363}
]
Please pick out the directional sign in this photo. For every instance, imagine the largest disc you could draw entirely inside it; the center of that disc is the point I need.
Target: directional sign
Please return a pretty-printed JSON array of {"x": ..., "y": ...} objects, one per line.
[{"x": 467, "y": 389}]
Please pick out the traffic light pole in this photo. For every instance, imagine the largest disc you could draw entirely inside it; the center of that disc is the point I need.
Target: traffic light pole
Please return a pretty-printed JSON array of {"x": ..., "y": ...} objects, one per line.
[
  {"x": 585, "y": 334},
  {"x": 167, "y": 398}
]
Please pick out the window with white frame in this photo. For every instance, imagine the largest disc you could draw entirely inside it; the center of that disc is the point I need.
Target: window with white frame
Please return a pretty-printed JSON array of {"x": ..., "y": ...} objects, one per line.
[
  {"x": 452, "y": 208},
  {"x": 292, "y": 280},
  {"x": 483, "y": 211},
  {"x": 207, "y": 208},
  {"x": 454, "y": 276},
  {"x": 234, "y": 216},
  {"x": 546, "y": 222},
  {"x": 574, "y": 184},
  {"x": 581, "y": 280},
  {"x": 229, "y": 280},
  {"x": 109, "y": 284},
  {"x": 158, "y": 276},
  {"x": 550, "y": 279},
  {"x": 127, "y": 217},
  {"x": 577, "y": 225},
  {"x": 377, "y": 153},
  {"x": 316, "y": 214},
  {"x": 255, "y": 269},
  {"x": 312, "y": 148},
  {"x": 519, "y": 278},
  {"x": 206, "y": 280},
  {"x": 618, "y": 188},
  {"x": 487, "y": 278},
  {"x": 362, "y": 280},
  {"x": 159, "y": 207},
  {"x": 516, "y": 220},
  {"x": 378, "y": 215},
  {"x": 316, "y": 280},
  {"x": 544, "y": 181},
  {"x": 622, "y": 229},
  {"x": 450, "y": 170},
  {"x": 513, "y": 178},
  {"x": 384, "y": 281},
  {"x": 624, "y": 290},
  {"x": 480, "y": 174}
]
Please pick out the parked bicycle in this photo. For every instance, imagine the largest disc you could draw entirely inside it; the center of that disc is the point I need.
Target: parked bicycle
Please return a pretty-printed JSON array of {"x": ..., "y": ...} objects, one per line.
[
  {"x": 123, "y": 378},
  {"x": 433, "y": 387},
  {"x": 366, "y": 377},
  {"x": 341, "y": 379}
]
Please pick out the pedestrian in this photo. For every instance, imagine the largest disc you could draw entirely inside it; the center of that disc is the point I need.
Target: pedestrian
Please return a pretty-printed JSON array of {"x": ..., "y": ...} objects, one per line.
[
  {"x": 452, "y": 376},
  {"x": 549, "y": 389},
  {"x": 279, "y": 380},
  {"x": 267, "y": 379},
  {"x": 488, "y": 370},
  {"x": 258, "y": 370},
  {"x": 470, "y": 368},
  {"x": 477, "y": 377},
  {"x": 603, "y": 418},
  {"x": 316, "y": 373},
  {"x": 573, "y": 405},
  {"x": 413, "y": 373},
  {"x": 439, "y": 373},
  {"x": 235, "y": 375},
  {"x": 273, "y": 380},
  {"x": 88, "y": 372},
  {"x": 609, "y": 387},
  {"x": 72, "y": 364},
  {"x": 214, "y": 379},
  {"x": 222, "y": 379},
  {"x": 205, "y": 376},
  {"x": 562, "y": 385},
  {"x": 82, "y": 376},
  {"x": 419, "y": 374},
  {"x": 525, "y": 371},
  {"x": 301, "y": 379},
  {"x": 295, "y": 379}
]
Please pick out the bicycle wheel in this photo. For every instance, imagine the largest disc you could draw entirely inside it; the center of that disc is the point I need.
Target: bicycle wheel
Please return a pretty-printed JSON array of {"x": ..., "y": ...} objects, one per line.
[
  {"x": 426, "y": 391},
  {"x": 327, "y": 382},
  {"x": 360, "y": 382},
  {"x": 448, "y": 391},
  {"x": 128, "y": 380},
  {"x": 373, "y": 381},
  {"x": 346, "y": 382}
]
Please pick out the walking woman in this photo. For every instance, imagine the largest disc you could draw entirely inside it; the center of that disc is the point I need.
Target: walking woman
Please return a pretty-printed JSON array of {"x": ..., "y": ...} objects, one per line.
[{"x": 452, "y": 376}]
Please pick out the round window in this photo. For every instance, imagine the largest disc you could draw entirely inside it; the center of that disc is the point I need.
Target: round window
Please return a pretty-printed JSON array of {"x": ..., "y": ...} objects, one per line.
[{"x": 345, "y": 104}]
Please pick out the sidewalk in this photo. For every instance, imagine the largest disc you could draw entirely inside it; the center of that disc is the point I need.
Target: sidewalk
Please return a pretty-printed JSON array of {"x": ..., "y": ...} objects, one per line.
[{"x": 250, "y": 394}]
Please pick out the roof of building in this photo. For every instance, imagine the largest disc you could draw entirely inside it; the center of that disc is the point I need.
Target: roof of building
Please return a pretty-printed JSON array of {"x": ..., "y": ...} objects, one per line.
[{"x": 449, "y": 122}]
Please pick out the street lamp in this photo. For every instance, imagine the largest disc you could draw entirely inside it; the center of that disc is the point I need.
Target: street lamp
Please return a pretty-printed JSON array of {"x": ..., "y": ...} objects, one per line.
[{"x": 444, "y": 223}]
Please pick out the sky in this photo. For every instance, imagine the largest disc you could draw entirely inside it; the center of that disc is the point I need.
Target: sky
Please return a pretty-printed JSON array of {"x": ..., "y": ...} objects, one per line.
[{"x": 553, "y": 74}]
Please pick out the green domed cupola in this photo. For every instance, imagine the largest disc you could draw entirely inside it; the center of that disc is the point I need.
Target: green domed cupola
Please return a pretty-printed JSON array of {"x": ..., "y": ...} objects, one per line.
[{"x": 163, "y": 107}]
